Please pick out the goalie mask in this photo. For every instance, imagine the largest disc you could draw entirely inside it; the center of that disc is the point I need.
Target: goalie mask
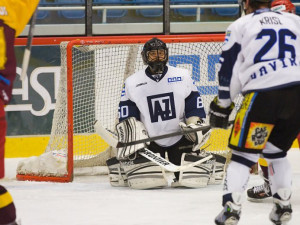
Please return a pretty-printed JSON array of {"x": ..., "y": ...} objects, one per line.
[{"x": 155, "y": 55}]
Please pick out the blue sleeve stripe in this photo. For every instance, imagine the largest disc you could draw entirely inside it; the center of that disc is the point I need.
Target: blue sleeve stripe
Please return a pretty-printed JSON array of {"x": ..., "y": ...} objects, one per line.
[
  {"x": 191, "y": 106},
  {"x": 242, "y": 160},
  {"x": 224, "y": 94},
  {"x": 6, "y": 81},
  {"x": 196, "y": 112},
  {"x": 229, "y": 57},
  {"x": 133, "y": 110}
]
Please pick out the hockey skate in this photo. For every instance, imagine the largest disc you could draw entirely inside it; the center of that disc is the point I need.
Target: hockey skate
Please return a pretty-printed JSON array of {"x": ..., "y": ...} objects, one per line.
[
  {"x": 230, "y": 214},
  {"x": 282, "y": 209},
  {"x": 259, "y": 193}
]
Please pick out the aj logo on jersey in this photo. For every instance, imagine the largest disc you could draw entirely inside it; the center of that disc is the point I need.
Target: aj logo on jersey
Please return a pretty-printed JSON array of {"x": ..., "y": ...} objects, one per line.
[{"x": 161, "y": 106}]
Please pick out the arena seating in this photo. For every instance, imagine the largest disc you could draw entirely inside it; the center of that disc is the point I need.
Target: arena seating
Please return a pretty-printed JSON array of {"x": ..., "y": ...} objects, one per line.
[
  {"x": 71, "y": 14},
  {"x": 225, "y": 11}
]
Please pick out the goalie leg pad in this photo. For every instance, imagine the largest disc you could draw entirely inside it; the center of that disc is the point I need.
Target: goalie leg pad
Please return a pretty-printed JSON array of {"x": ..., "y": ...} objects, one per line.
[
  {"x": 218, "y": 169},
  {"x": 197, "y": 176},
  {"x": 144, "y": 174},
  {"x": 117, "y": 176}
]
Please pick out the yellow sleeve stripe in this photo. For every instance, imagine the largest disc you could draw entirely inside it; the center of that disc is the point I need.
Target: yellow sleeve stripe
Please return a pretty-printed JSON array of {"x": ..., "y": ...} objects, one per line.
[{"x": 5, "y": 200}]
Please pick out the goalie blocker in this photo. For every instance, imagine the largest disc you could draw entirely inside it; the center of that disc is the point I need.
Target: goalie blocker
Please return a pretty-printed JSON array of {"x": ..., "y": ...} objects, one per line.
[{"x": 199, "y": 138}]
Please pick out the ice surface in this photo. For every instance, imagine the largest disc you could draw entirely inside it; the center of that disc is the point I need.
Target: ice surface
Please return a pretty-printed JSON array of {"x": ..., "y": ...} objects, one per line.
[{"x": 92, "y": 201}]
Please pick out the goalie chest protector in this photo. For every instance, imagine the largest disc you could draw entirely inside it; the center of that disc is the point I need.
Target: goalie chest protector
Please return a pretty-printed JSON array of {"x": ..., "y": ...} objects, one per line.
[{"x": 161, "y": 105}]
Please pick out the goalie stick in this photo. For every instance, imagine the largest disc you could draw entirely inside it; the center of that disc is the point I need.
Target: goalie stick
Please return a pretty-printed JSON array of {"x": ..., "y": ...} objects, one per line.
[
  {"x": 111, "y": 139},
  {"x": 99, "y": 127},
  {"x": 167, "y": 165}
]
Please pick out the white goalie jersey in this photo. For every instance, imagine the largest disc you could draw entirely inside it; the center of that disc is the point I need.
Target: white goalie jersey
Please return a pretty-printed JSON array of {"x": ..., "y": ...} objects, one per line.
[
  {"x": 261, "y": 52},
  {"x": 161, "y": 104}
]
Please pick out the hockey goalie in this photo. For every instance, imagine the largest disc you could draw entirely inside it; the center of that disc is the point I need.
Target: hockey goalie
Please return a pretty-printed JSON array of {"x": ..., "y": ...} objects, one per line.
[{"x": 159, "y": 100}]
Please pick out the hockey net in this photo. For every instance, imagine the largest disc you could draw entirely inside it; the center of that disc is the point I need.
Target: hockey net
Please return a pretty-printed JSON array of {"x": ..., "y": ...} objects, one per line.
[{"x": 91, "y": 80}]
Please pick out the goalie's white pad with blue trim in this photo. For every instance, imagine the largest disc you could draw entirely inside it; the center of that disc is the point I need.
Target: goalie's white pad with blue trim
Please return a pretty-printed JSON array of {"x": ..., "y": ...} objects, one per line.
[{"x": 130, "y": 130}]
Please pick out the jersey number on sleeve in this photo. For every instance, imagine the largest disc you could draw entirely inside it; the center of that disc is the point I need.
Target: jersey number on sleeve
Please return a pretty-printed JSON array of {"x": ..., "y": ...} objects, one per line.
[
  {"x": 282, "y": 45},
  {"x": 123, "y": 111},
  {"x": 199, "y": 103}
]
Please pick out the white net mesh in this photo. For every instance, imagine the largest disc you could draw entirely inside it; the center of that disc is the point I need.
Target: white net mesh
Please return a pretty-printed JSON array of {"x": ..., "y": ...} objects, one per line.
[{"x": 98, "y": 75}]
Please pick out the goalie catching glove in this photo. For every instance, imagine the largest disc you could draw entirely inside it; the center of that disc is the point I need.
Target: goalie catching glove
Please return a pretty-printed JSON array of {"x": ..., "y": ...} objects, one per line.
[
  {"x": 199, "y": 138},
  {"x": 130, "y": 130},
  {"x": 219, "y": 116}
]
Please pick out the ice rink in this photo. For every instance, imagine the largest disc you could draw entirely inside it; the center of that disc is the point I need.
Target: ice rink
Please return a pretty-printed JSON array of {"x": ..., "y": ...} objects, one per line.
[{"x": 92, "y": 201}]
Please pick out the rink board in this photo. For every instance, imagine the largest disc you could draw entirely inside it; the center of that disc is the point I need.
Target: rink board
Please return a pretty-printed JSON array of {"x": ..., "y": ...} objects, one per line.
[{"x": 16, "y": 147}]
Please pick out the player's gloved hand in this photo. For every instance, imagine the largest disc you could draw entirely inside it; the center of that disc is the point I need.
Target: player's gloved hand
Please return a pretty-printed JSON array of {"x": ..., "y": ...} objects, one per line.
[
  {"x": 130, "y": 130},
  {"x": 200, "y": 137},
  {"x": 219, "y": 116}
]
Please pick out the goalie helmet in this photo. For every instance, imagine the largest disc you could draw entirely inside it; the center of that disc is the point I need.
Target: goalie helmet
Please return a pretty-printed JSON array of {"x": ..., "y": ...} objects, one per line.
[
  {"x": 155, "y": 55},
  {"x": 253, "y": 3},
  {"x": 283, "y": 6}
]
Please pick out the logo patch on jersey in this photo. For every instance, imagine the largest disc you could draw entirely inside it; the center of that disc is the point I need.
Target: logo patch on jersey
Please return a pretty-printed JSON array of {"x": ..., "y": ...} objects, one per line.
[
  {"x": 140, "y": 84},
  {"x": 161, "y": 106},
  {"x": 174, "y": 79},
  {"x": 3, "y": 11},
  {"x": 227, "y": 35},
  {"x": 236, "y": 135},
  {"x": 258, "y": 135},
  {"x": 237, "y": 127},
  {"x": 123, "y": 90}
]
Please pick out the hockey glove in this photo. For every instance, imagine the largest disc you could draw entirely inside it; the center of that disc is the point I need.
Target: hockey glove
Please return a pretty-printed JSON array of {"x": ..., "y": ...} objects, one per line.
[
  {"x": 199, "y": 138},
  {"x": 130, "y": 130},
  {"x": 219, "y": 116}
]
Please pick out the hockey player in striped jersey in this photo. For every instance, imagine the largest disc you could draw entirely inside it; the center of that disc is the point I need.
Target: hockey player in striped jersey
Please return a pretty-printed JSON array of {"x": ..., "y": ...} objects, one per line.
[
  {"x": 260, "y": 59},
  {"x": 7, "y": 208},
  {"x": 158, "y": 100}
]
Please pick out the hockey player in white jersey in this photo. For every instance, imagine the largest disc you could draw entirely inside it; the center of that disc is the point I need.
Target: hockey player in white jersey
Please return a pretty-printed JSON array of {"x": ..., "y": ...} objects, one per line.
[
  {"x": 263, "y": 191},
  {"x": 260, "y": 59},
  {"x": 159, "y": 100}
]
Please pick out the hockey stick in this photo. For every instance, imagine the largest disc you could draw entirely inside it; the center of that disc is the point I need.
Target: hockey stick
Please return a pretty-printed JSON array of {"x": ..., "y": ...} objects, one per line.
[
  {"x": 27, "y": 50},
  {"x": 101, "y": 129},
  {"x": 111, "y": 139},
  {"x": 167, "y": 165}
]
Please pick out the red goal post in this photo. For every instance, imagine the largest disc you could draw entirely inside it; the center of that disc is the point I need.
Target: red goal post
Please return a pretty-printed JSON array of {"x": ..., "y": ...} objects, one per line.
[{"x": 92, "y": 74}]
